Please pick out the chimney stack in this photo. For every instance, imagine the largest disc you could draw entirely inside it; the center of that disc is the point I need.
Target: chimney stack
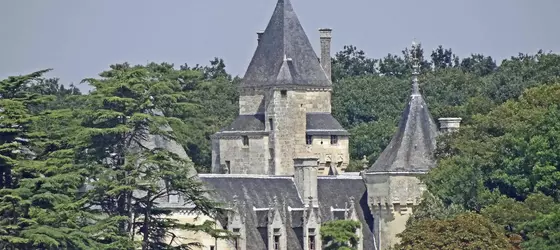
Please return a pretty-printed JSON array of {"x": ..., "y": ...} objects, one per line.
[
  {"x": 325, "y": 37},
  {"x": 305, "y": 176},
  {"x": 449, "y": 124},
  {"x": 259, "y": 36}
]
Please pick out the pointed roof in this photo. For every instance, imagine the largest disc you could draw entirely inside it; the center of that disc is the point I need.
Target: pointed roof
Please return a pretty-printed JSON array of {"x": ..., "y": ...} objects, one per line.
[
  {"x": 284, "y": 56},
  {"x": 412, "y": 146}
]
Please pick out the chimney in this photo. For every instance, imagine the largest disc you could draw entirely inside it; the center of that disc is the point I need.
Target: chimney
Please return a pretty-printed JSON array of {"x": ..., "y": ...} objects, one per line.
[
  {"x": 305, "y": 176},
  {"x": 449, "y": 124},
  {"x": 259, "y": 36},
  {"x": 325, "y": 37}
]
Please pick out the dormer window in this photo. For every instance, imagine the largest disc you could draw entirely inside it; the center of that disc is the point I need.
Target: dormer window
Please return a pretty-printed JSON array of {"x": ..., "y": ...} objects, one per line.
[
  {"x": 236, "y": 234},
  {"x": 311, "y": 239},
  {"x": 245, "y": 140},
  {"x": 283, "y": 93},
  {"x": 276, "y": 242}
]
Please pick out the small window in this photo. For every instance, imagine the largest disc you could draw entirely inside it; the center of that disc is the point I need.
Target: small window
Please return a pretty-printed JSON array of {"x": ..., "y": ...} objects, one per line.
[
  {"x": 271, "y": 124},
  {"x": 308, "y": 139},
  {"x": 228, "y": 167},
  {"x": 212, "y": 247},
  {"x": 236, "y": 239},
  {"x": 334, "y": 139},
  {"x": 311, "y": 242},
  {"x": 276, "y": 242},
  {"x": 245, "y": 140},
  {"x": 283, "y": 93}
]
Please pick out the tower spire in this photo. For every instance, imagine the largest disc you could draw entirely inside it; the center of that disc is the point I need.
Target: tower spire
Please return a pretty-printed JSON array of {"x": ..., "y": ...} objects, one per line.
[{"x": 415, "y": 68}]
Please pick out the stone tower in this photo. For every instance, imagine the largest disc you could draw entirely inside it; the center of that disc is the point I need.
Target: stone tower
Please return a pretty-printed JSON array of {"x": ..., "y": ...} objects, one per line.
[
  {"x": 392, "y": 183},
  {"x": 284, "y": 106}
]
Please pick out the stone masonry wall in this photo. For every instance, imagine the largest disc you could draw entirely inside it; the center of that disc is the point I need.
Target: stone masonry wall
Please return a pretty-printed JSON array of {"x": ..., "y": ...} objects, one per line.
[
  {"x": 398, "y": 195},
  {"x": 251, "y": 102},
  {"x": 336, "y": 154},
  {"x": 289, "y": 118},
  {"x": 251, "y": 159},
  {"x": 318, "y": 101},
  {"x": 216, "y": 168}
]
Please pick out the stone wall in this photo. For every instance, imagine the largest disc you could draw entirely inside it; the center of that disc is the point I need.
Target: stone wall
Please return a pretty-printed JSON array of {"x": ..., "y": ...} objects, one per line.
[
  {"x": 285, "y": 138},
  {"x": 392, "y": 198},
  {"x": 334, "y": 154},
  {"x": 251, "y": 159},
  {"x": 288, "y": 111},
  {"x": 251, "y": 101},
  {"x": 216, "y": 164},
  {"x": 318, "y": 101}
]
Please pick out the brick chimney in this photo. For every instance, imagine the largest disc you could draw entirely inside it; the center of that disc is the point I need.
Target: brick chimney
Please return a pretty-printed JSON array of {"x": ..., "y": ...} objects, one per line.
[
  {"x": 305, "y": 176},
  {"x": 259, "y": 36},
  {"x": 325, "y": 37},
  {"x": 449, "y": 124}
]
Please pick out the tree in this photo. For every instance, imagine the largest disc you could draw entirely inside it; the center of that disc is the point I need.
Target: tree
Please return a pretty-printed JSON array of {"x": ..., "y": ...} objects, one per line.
[
  {"x": 129, "y": 175},
  {"x": 340, "y": 234},
  {"x": 352, "y": 62},
  {"x": 479, "y": 64},
  {"x": 38, "y": 205},
  {"x": 444, "y": 58},
  {"x": 212, "y": 104},
  {"x": 433, "y": 208},
  {"x": 465, "y": 231}
]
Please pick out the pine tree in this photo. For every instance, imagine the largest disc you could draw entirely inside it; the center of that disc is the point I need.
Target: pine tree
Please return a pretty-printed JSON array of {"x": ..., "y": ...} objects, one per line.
[
  {"x": 128, "y": 175},
  {"x": 38, "y": 204}
]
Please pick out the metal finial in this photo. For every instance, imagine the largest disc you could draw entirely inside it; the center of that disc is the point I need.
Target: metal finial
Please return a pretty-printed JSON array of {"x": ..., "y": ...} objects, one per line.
[
  {"x": 415, "y": 59},
  {"x": 415, "y": 67}
]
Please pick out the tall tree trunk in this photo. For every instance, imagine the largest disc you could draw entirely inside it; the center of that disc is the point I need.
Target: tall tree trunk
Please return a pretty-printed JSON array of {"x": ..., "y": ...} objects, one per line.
[{"x": 146, "y": 227}]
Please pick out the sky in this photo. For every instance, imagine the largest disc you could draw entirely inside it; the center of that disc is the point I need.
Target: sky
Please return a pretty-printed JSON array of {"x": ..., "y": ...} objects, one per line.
[{"x": 80, "y": 39}]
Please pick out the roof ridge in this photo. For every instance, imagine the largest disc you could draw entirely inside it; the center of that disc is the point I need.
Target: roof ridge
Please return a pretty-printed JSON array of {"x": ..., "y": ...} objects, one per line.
[{"x": 257, "y": 176}]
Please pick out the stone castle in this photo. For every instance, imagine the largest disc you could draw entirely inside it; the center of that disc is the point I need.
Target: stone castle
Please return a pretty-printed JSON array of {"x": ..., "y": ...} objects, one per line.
[{"x": 280, "y": 165}]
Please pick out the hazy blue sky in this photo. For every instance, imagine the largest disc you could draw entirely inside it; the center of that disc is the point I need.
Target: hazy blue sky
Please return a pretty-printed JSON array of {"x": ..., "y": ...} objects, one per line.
[{"x": 79, "y": 39}]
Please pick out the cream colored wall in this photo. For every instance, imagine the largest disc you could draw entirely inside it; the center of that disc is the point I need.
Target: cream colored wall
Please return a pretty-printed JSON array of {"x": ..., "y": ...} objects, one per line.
[
  {"x": 325, "y": 151},
  {"x": 251, "y": 159},
  {"x": 251, "y": 102},
  {"x": 317, "y": 101},
  {"x": 398, "y": 193},
  {"x": 288, "y": 136},
  {"x": 203, "y": 238}
]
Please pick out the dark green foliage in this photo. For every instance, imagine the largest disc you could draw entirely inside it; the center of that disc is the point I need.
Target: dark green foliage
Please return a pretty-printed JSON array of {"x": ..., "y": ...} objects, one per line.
[
  {"x": 506, "y": 166},
  {"x": 39, "y": 208},
  {"x": 464, "y": 231},
  {"x": 340, "y": 234},
  {"x": 129, "y": 175}
]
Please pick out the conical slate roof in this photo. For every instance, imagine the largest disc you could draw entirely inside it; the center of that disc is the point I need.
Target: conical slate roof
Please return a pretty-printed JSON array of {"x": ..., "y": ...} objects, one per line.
[
  {"x": 412, "y": 147},
  {"x": 284, "y": 56}
]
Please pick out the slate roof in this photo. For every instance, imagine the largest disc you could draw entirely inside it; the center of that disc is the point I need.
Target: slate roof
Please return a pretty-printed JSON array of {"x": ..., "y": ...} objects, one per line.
[
  {"x": 334, "y": 191},
  {"x": 246, "y": 123},
  {"x": 259, "y": 191},
  {"x": 411, "y": 148},
  {"x": 284, "y": 56},
  {"x": 323, "y": 124}
]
